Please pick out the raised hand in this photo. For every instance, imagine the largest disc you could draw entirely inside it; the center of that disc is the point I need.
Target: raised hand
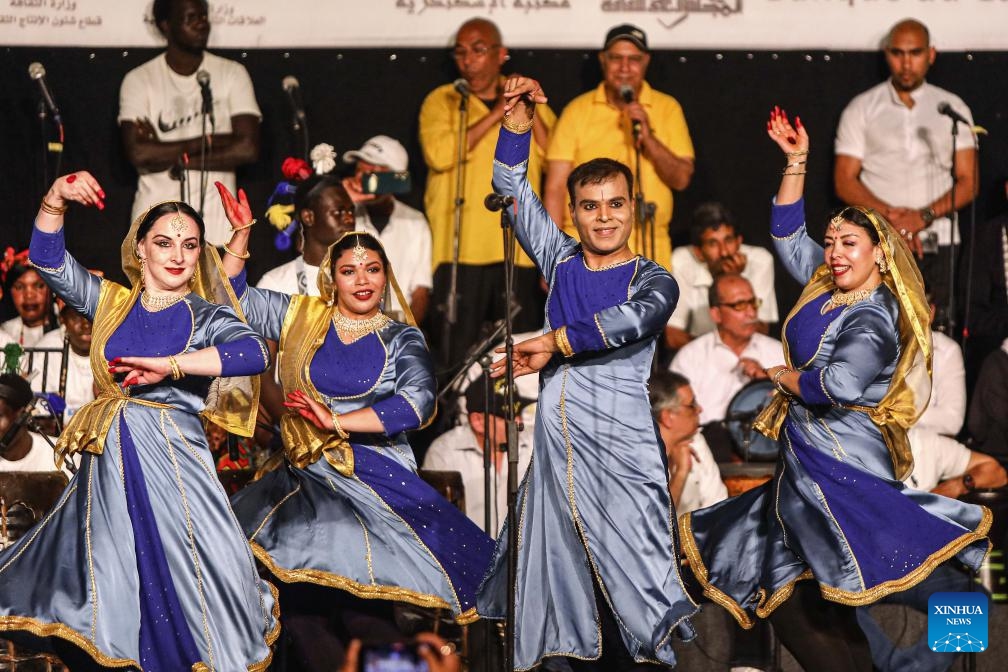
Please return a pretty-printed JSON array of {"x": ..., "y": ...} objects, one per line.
[
  {"x": 238, "y": 210},
  {"x": 522, "y": 93},
  {"x": 529, "y": 356},
  {"x": 310, "y": 410},
  {"x": 790, "y": 138},
  {"x": 140, "y": 370},
  {"x": 80, "y": 187}
]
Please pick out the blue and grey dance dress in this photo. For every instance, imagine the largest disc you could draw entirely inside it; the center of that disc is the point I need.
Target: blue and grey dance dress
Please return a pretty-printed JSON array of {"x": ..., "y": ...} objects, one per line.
[
  {"x": 594, "y": 507},
  {"x": 836, "y": 510},
  {"x": 141, "y": 564},
  {"x": 355, "y": 515}
]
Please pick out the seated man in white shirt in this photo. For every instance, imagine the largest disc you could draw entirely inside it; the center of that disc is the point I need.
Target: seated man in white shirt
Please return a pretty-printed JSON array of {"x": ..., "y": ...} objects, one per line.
[
  {"x": 20, "y": 450},
  {"x": 79, "y": 388},
  {"x": 694, "y": 479},
  {"x": 717, "y": 249},
  {"x": 723, "y": 361},
  {"x": 461, "y": 449},
  {"x": 946, "y": 410},
  {"x": 402, "y": 230}
]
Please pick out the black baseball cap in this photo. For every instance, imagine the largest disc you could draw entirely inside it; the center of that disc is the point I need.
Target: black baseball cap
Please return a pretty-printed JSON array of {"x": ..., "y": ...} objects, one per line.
[{"x": 627, "y": 32}]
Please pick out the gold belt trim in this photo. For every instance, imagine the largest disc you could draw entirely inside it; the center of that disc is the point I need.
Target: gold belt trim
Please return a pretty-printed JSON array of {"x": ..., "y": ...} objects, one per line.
[{"x": 89, "y": 426}]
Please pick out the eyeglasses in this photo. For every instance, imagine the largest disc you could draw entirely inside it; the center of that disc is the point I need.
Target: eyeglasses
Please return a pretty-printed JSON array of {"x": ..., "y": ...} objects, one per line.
[
  {"x": 753, "y": 303},
  {"x": 476, "y": 50}
]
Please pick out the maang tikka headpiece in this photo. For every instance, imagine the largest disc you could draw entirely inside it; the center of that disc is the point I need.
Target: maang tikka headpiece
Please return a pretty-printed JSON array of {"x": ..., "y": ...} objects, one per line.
[
  {"x": 836, "y": 223},
  {"x": 359, "y": 252},
  {"x": 176, "y": 223}
]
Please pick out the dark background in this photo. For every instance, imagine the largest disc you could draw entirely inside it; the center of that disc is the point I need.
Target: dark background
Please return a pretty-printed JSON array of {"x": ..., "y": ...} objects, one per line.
[{"x": 352, "y": 94}]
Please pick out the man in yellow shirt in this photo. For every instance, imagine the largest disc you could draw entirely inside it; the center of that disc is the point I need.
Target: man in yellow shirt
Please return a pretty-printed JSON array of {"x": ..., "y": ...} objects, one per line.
[
  {"x": 621, "y": 113},
  {"x": 479, "y": 55}
]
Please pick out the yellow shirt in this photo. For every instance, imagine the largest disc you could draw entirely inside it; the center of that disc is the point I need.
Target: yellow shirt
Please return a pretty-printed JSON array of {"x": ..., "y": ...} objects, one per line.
[
  {"x": 480, "y": 239},
  {"x": 590, "y": 127}
]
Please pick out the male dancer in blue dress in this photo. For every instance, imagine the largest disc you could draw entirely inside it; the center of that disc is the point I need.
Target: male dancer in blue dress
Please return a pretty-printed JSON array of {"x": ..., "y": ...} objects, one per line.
[{"x": 598, "y": 573}]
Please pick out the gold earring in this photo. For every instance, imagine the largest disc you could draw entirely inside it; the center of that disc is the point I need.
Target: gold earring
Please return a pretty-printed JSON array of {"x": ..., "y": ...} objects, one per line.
[
  {"x": 883, "y": 266},
  {"x": 143, "y": 269}
]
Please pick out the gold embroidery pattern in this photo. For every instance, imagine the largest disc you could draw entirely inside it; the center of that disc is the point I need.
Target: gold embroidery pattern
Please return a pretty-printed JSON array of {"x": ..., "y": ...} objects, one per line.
[
  {"x": 90, "y": 559},
  {"x": 696, "y": 564},
  {"x": 189, "y": 527},
  {"x": 48, "y": 269},
  {"x": 274, "y": 510}
]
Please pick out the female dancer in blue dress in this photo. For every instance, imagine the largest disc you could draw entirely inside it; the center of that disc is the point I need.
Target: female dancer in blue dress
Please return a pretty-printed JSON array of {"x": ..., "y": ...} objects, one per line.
[
  {"x": 347, "y": 510},
  {"x": 858, "y": 349},
  {"x": 141, "y": 563}
]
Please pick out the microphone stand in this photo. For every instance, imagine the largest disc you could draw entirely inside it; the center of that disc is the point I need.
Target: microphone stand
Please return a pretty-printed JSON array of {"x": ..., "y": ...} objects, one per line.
[
  {"x": 968, "y": 298},
  {"x": 954, "y": 224},
  {"x": 645, "y": 210},
  {"x": 451, "y": 301},
  {"x": 487, "y": 475},
  {"x": 206, "y": 147}
]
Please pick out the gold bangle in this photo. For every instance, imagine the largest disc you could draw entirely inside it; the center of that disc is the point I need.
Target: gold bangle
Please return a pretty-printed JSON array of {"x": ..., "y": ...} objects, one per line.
[
  {"x": 227, "y": 250},
  {"x": 247, "y": 226},
  {"x": 176, "y": 370},
  {"x": 562, "y": 343},
  {"x": 51, "y": 209},
  {"x": 797, "y": 172},
  {"x": 338, "y": 428},
  {"x": 801, "y": 152},
  {"x": 516, "y": 127},
  {"x": 777, "y": 383},
  {"x": 795, "y": 164}
]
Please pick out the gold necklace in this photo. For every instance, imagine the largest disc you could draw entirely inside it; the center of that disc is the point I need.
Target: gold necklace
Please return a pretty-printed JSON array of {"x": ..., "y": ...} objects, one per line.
[
  {"x": 355, "y": 329},
  {"x": 847, "y": 298},
  {"x": 154, "y": 304}
]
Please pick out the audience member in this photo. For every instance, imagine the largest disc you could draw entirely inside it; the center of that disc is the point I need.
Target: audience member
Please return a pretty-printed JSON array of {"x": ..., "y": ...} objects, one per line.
[
  {"x": 78, "y": 388},
  {"x": 694, "y": 478},
  {"x": 988, "y": 417},
  {"x": 894, "y": 154},
  {"x": 33, "y": 301},
  {"x": 716, "y": 248},
  {"x": 402, "y": 230},
  {"x": 461, "y": 449},
  {"x": 946, "y": 410},
  {"x": 20, "y": 449},
  {"x": 479, "y": 53},
  {"x": 944, "y": 466},
  {"x": 723, "y": 361},
  {"x": 160, "y": 104},
  {"x": 623, "y": 113}
]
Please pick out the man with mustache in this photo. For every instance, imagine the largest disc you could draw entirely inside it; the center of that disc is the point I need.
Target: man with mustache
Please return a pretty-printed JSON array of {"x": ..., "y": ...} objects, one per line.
[{"x": 723, "y": 361}]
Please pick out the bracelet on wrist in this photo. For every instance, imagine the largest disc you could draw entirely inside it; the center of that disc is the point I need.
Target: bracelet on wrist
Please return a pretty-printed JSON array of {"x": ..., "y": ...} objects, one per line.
[
  {"x": 776, "y": 381},
  {"x": 515, "y": 127},
  {"x": 176, "y": 371},
  {"x": 246, "y": 226},
  {"x": 51, "y": 209},
  {"x": 800, "y": 152},
  {"x": 794, "y": 172},
  {"x": 338, "y": 428},
  {"x": 228, "y": 250},
  {"x": 563, "y": 345}
]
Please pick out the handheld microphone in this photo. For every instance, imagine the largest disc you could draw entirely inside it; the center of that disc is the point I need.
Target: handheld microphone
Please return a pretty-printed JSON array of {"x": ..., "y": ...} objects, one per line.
[
  {"x": 946, "y": 109},
  {"x": 626, "y": 93},
  {"x": 22, "y": 421},
  {"x": 37, "y": 72},
  {"x": 292, "y": 87},
  {"x": 494, "y": 202},
  {"x": 462, "y": 86},
  {"x": 203, "y": 78}
]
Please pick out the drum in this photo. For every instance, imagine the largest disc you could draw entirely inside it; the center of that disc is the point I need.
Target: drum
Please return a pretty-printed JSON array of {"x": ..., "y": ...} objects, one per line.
[
  {"x": 992, "y": 573},
  {"x": 747, "y": 403},
  {"x": 25, "y": 497},
  {"x": 741, "y": 477}
]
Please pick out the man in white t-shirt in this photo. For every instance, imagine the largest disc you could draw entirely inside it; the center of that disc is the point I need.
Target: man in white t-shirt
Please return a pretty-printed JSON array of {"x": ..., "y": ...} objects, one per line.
[
  {"x": 947, "y": 467},
  {"x": 716, "y": 249},
  {"x": 79, "y": 377},
  {"x": 20, "y": 450},
  {"x": 946, "y": 410},
  {"x": 894, "y": 153},
  {"x": 160, "y": 105},
  {"x": 461, "y": 449},
  {"x": 402, "y": 230},
  {"x": 694, "y": 479}
]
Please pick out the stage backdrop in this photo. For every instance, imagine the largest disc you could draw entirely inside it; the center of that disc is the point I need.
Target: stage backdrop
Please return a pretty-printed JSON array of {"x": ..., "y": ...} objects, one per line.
[{"x": 682, "y": 24}]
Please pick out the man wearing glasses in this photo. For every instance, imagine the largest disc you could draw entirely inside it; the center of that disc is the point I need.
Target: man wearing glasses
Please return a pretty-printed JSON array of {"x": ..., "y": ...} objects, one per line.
[
  {"x": 723, "y": 361},
  {"x": 479, "y": 54},
  {"x": 716, "y": 248}
]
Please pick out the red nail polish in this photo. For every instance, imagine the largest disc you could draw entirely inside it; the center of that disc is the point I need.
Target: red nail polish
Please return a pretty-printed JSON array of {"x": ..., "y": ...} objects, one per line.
[
  {"x": 71, "y": 178},
  {"x": 101, "y": 194},
  {"x": 101, "y": 206}
]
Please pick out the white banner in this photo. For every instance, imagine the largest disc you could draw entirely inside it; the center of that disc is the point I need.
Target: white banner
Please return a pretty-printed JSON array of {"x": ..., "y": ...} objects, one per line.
[{"x": 959, "y": 25}]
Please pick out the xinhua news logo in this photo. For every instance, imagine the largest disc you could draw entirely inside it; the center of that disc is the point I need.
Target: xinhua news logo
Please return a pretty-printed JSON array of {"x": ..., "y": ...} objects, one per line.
[{"x": 957, "y": 622}]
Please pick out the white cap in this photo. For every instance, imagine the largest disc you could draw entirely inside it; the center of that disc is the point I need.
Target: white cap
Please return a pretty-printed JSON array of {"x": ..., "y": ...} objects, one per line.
[{"x": 381, "y": 150}]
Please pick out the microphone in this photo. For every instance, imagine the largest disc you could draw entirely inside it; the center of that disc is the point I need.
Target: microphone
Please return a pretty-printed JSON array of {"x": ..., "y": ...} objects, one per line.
[
  {"x": 23, "y": 418},
  {"x": 462, "y": 86},
  {"x": 494, "y": 202},
  {"x": 37, "y": 72},
  {"x": 203, "y": 78},
  {"x": 626, "y": 93},
  {"x": 946, "y": 109},
  {"x": 292, "y": 87}
]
